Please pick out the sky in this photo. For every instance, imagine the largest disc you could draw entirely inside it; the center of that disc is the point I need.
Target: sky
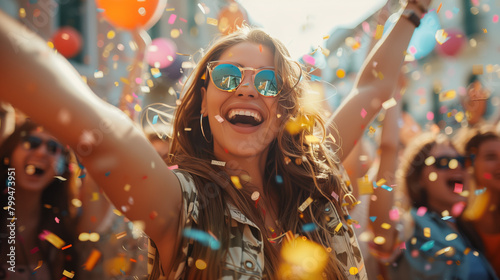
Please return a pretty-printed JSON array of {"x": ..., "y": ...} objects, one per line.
[{"x": 302, "y": 24}]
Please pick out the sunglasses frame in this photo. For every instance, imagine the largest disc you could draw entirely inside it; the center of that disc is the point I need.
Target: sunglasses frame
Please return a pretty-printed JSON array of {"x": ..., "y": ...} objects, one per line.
[
  {"x": 213, "y": 64},
  {"x": 462, "y": 160},
  {"x": 53, "y": 147}
]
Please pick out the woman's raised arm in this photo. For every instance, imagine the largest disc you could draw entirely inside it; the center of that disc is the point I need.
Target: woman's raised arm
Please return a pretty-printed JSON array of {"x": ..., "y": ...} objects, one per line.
[{"x": 120, "y": 159}]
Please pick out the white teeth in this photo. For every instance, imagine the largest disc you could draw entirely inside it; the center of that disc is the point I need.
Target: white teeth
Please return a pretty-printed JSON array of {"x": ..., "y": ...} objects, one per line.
[
  {"x": 252, "y": 113},
  {"x": 30, "y": 169}
]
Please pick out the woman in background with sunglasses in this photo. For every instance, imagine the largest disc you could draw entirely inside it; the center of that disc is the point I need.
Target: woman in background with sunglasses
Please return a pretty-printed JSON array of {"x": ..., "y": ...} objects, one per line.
[
  {"x": 37, "y": 180},
  {"x": 482, "y": 216},
  {"x": 433, "y": 175},
  {"x": 253, "y": 168}
]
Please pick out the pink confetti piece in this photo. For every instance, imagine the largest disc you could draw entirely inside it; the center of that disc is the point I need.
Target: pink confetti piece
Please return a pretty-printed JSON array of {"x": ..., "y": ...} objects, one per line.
[
  {"x": 366, "y": 27},
  {"x": 495, "y": 18},
  {"x": 412, "y": 50},
  {"x": 394, "y": 214},
  {"x": 219, "y": 118},
  {"x": 57, "y": 220},
  {"x": 357, "y": 225},
  {"x": 309, "y": 59},
  {"x": 134, "y": 95},
  {"x": 421, "y": 211},
  {"x": 458, "y": 188},
  {"x": 402, "y": 246},
  {"x": 34, "y": 250},
  {"x": 172, "y": 18},
  {"x": 173, "y": 167},
  {"x": 363, "y": 113},
  {"x": 457, "y": 209},
  {"x": 182, "y": 19},
  {"x": 430, "y": 116},
  {"x": 138, "y": 80},
  {"x": 335, "y": 195}
]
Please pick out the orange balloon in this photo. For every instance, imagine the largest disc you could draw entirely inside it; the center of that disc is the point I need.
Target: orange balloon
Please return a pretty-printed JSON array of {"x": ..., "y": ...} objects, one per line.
[
  {"x": 132, "y": 14},
  {"x": 231, "y": 17}
]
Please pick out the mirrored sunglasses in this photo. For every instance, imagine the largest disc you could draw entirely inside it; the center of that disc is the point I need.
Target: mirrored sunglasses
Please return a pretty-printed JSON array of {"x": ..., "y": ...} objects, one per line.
[
  {"x": 228, "y": 77},
  {"x": 33, "y": 142}
]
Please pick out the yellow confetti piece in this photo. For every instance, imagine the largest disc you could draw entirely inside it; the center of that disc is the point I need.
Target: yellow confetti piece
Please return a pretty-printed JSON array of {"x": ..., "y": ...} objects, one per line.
[
  {"x": 447, "y": 95},
  {"x": 22, "y": 13},
  {"x": 155, "y": 71},
  {"x": 50, "y": 44},
  {"x": 95, "y": 196},
  {"x": 467, "y": 251},
  {"x": 175, "y": 33},
  {"x": 430, "y": 161},
  {"x": 302, "y": 259},
  {"x": 212, "y": 21},
  {"x": 340, "y": 73},
  {"x": 441, "y": 36},
  {"x": 94, "y": 237},
  {"x": 126, "y": 187},
  {"x": 305, "y": 204},
  {"x": 379, "y": 240},
  {"x": 311, "y": 139},
  {"x": 121, "y": 235},
  {"x": 326, "y": 52},
  {"x": 365, "y": 186},
  {"x": 353, "y": 270},
  {"x": 381, "y": 182},
  {"x": 485, "y": 30},
  {"x": 236, "y": 182},
  {"x": 446, "y": 250},
  {"x": 326, "y": 37},
  {"x": 379, "y": 31},
  {"x": 200, "y": 264},
  {"x": 117, "y": 212},
  {"x": 433, "y": 176},
  {"x": 111, "y": 34},
  {"x": 40, "y": 262},
  {"x": 54, "y": 240},
  {"x": 380, "y": 75},
  {"x": 451, "y": 236},
  {"x": 169, "y": 9},
  {"x": 68, "y": 274},
  {"x": 427, "y": 232},
  {"x": 389, "y": 103},
  {"x": 338, "y": 227},
  {"x": 385, "y": 226},
  {"x": 125, "y": 80},
  {"x": 137, "y": 108}
]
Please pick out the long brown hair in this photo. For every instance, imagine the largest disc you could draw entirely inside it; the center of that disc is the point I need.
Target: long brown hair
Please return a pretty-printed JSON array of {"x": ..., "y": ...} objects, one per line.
[{"x": 306, "y": 169}]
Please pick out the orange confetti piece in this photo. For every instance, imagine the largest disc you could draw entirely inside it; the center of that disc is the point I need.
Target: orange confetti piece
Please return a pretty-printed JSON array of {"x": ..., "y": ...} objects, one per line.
[
  {"x": 92, "y": 260},
  {"x": 132, "y": 260},
  {"x": 153, "y": 215},
  {"x": 40, "y": 262},
  {"x": 340, "y": 73},
  {"x": 66, "y": 247},
  {"x": 121, "y": 235},
  {"x": 439, "y": 8},
  {"x": 260, "y": 47}
]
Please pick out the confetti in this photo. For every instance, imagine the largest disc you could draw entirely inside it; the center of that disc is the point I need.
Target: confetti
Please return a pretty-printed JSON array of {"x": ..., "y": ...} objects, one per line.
[
  {"x": 340, "y": 73},
  {"x": 172, "y": 18},
  {"x": 353, "y": 270},
  {"x": 495, "y": 18},
  {"x": 255, "y": 196},
  {"x": 477, "y": 69},
  {"x": 458, "y": 188},
  {"x": 363, "y": 113},
  {"x": 427, "y": 232},
  {"x": 385, "y": 226},
  {"x": 373, "y": 218},
  {"x": 451, "y": 236},
  {"x": 335, "y": 195},
  {"x": 212, "y": 21},
  {"x": 309, "y": 227},
  {"x": 421, "y": 211},
  {"x": 202, "y": 237},
  {"x": 121, "y": 235},
  {"x": 219, "y": 163},
  {"x": 279, "y": 179},
  {"x": 260, "y": 47},
  {"x": 219, "y": 118},
  {"x": 364, "y": 186},
  {"x": 305, "y": 204},
  {"x": 379, "y": 31},
  {"x": 40, "y": 262},
  {"x": 441, "y": 36},
  {"x": 52, "y": 239},
  {"x": 200, "y": 264},
  {"x": 153, "y": 215},
  {"x": 447, "y": 95},
  {"x": 311, "y": 139},
  {"x": 92, "y": 260},
  {"x": 427, "y": 245},
  {"x": 337, "y": 228},
  {"x": 389, "y": 103},
  {"x": 236, "y": 182},
  {"x": 68, "y": 274},
  {"x": 34, "y": 250}
]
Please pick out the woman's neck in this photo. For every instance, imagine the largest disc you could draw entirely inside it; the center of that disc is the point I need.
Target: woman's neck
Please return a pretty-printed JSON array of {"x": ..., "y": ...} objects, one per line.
[{"x": 28, "y": 210}]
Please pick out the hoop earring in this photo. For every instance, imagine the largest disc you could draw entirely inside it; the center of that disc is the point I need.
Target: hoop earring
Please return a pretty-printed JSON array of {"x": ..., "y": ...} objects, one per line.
[{"x": 202, "y": 131}]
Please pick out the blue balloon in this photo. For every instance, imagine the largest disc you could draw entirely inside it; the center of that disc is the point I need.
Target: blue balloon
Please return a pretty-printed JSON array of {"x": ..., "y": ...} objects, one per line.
[{"x": 423, "y": 40}]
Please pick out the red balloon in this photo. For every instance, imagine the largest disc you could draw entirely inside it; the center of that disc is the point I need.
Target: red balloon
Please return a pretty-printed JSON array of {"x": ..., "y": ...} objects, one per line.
[
  {"x": 132, "y": 14},
  {"x": 67, "y": 41},
  {"x": 454, "y": 44}
]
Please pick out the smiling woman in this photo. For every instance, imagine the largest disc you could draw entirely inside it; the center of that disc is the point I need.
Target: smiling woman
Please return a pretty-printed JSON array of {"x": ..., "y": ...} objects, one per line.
[{"x": 42, "y": 203}]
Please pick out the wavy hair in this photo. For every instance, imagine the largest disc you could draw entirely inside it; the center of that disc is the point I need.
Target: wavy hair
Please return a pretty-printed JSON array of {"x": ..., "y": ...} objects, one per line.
[{"x": 307, "y": 169}]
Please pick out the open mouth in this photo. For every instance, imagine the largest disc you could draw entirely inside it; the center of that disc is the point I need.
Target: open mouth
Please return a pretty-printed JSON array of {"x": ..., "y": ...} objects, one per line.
[
  {"x": 31, "y": 169},
  {"x": 452, "y": 182},
  {"x": 244, "y": 117}
]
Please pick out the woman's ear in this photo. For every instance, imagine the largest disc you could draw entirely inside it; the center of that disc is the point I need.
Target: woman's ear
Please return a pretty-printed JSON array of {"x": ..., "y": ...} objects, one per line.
[{"x": 204, "y": 109}]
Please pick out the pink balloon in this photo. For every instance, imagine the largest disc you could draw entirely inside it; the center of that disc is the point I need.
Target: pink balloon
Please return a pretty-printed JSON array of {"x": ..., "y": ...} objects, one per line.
[
  {"x": 161, "y": 53},
  {"x": 454, "y": 44}
]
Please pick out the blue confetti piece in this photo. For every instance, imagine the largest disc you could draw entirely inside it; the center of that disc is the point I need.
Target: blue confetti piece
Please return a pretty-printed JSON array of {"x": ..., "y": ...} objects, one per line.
[
  {"x": 446, "y": 218},
  {"x": 155, "y": 119},
  {"x": 82, "y": 176},
  {"x": 387, "y": 188},
  {"x": 279, "y": 179},
  {"x": 375, "y": 185},
  {"x": 455, "y": 10},
  {"x": 33, "y": 1},
  {"x": 480, "y": 191},
  {"x": 427, "y": 245},
  {"x": 309, "y": 227},
  {"x": 107, "y": 173},
  {"x": 373, "y": 218},
  {"x": 202, "y": 237},
  {"x": 315, "y": 78},
  {"x": 100, "y": 10},
  {"x": 157, "y": 75},
  {"x": 123, "y": 272}
]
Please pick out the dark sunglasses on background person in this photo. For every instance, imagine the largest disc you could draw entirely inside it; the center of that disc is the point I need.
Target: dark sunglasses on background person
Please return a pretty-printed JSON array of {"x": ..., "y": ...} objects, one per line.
[
  {"x": 444, "y": 162},
  {"x": 32, "y": 142},
  {"x": 228, "y": 77}
]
